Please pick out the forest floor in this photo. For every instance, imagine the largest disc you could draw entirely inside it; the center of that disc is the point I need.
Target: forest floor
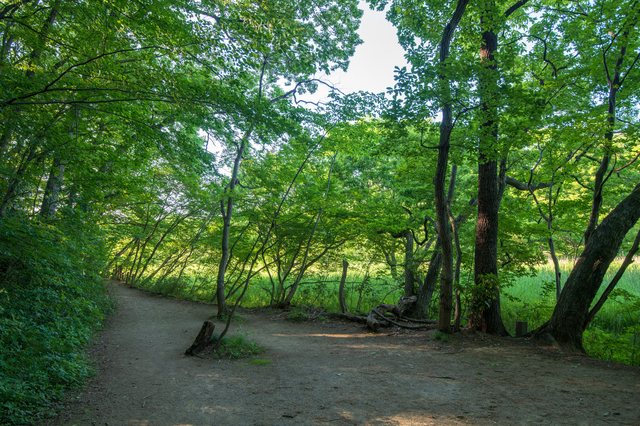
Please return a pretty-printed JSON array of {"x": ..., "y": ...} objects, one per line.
[{"x": 335, "y": 373}]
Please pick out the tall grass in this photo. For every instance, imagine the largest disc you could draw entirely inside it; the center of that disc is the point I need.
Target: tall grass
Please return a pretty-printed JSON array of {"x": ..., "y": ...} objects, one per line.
[
  {"x": 363, "y": 292},
  {"x": 532, "y": 299},
  {"x": 614, "y": 333}
]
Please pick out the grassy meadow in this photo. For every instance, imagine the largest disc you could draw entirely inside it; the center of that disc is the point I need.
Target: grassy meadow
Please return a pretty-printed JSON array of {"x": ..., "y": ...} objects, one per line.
[{"x": 613, "y": 335}]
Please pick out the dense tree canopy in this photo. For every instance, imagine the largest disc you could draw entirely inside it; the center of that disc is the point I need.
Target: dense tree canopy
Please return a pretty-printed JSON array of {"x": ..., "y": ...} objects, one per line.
[{"x": 167, "y": 144}]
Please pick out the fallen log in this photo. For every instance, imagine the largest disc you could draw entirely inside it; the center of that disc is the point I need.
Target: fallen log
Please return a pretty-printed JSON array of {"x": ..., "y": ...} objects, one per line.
[
  {"x": 376, "y": 318},
  {"x": 348, "y": 317},
  {"x": 431, "y": 325},
  {"x": 203, "y": 338},
  {"x": 403, "y": 304}
]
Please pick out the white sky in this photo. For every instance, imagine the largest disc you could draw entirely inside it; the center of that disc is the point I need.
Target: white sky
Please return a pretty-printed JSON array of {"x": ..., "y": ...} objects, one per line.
[{"x": 372, "y": 65}]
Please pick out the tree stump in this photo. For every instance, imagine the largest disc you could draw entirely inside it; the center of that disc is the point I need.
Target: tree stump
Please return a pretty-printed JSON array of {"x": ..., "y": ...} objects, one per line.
[
  {"x": 203, "y": 338},
  {"x": 521, "y": 328},
  {"x": 343, "y": 279}
]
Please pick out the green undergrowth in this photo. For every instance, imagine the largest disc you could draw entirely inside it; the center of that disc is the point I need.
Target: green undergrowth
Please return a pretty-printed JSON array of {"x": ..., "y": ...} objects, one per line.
[
  {"x": 613, "y": 334},
  {"x": 236, "y": 346},
  {"x": 363, "y": 292},
  {"x": 439, "y": 336},
  {"x": 51, "y": 303}
]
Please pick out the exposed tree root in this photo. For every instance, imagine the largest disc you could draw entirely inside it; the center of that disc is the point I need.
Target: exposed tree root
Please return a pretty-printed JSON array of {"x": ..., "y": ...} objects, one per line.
[
  {"x": 348, "y": 317},
  {"x": 408, "y": 327},
  {"x": 376, "y": 318}
]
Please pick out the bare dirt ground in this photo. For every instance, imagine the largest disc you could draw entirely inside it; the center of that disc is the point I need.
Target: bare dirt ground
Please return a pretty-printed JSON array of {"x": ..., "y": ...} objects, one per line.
[{"x": 336, "y": 373}]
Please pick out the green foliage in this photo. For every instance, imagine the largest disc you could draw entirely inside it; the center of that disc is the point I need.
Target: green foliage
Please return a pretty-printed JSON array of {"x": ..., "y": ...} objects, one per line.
[
  {"x": 51, "y": 302},
  {"x": 440, "y": 336},
  {"x": 613, "y": 333},
  {"x": 297, "y": 316},
  {"x": 237, "y": 346},
  {"x": 620, "y": 347},
  {"x": 484, "y": 290},
  {"x": 481, "y": 293}
]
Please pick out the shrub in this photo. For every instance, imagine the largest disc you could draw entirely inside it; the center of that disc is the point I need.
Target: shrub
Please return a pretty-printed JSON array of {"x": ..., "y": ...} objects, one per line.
[
  {"x": 51, "y": 302},
  {"x": 237, "y": 346}
]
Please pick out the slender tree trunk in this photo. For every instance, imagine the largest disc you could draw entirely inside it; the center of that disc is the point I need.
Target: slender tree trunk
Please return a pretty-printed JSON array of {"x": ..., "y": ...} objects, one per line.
[
  {"x": 457, "y": 317},
  {"x": 303, "y": 265},
  {"x": 4, "y": 143},
  {"x": 409, "y": 266},
  {"x": 614, "y": 86},
  {"x": 392, "y": 262},
  {"x": 36, "y": 53},
  {"x": 343, "y": 304},
  {"x": 439, "y": 181},
  {"x": 52, "y": 190},
  {"x": 420, "y": 309},
  {"x": 556, "y": 267},
  {"x": 27, "y": 158},
  {"x": 226, "y": 226},
  {"x": 552, "y": 248}
]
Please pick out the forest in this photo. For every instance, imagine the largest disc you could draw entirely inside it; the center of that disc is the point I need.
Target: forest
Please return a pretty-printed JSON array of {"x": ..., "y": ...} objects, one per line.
[{"x": 173, "y": 145}]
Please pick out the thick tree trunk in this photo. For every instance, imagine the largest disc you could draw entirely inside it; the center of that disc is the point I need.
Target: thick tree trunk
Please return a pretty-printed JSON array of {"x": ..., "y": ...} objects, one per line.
[
  {"x": 569, "y": 317},
  {"x": 489, "y": 319},
  {"x": 602, "y": 242},
  {"x": 628, "y": 260}
]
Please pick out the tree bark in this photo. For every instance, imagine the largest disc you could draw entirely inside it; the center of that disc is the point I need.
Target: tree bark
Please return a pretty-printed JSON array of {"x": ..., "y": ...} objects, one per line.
[
  {"x": 202, "y": 339},
  {"x": 403, "y": 304},
  {"x": 628, "y": 260},
  {"x": 52, "y": 190},
  {"x": 489, "y": 319},
  {"x": 420, "y": 309},
  {"x": 4, "y": 143},
  {"x": 227, "y": 213},
  {"x": 439, "y": 181},
  {"x": 304, "y": 265},
  {"x": 569, "y": 317},
  {"x": 390, "y": 257},
  {"x": 343, "y": 304},
  {"x": 409, "y": 267}
]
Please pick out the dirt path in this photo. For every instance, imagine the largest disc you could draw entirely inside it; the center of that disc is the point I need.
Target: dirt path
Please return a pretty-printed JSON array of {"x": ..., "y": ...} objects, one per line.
[{"x": 336, "y": 374}]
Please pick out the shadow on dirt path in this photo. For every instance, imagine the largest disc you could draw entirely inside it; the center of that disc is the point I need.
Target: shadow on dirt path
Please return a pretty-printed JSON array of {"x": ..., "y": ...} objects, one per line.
[{"x": 335, "y": 373}]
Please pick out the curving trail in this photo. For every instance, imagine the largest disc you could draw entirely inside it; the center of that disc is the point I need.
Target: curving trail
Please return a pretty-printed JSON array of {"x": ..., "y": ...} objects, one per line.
[{"x": 335, "y": 374}]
